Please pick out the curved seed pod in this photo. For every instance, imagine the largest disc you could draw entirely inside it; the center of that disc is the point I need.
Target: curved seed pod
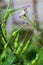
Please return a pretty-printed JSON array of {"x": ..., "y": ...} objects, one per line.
[
  {"x": 15, "y": 32},
  {"x": 16, "y": 41},
  {"x": 35, "y": 60},
  {"x": 29, "y": 42},
  {"x": 19, "y": 50}
]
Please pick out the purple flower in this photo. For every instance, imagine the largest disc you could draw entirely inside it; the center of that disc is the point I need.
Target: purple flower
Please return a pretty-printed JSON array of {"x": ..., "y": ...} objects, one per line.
[
  {"x": 24, "y": 11},
  {"x": 28, "y": 6},
  {"x": 21, "y": 14}
]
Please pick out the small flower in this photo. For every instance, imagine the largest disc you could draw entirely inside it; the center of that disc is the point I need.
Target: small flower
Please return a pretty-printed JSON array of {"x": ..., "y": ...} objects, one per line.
[
  {"x": 21, "y": 14},
  {"x": 24, "y": 11}
]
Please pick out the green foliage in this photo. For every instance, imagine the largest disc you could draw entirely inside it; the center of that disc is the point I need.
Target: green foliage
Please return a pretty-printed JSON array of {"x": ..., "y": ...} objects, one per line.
[{"x": 13, "y": 51}]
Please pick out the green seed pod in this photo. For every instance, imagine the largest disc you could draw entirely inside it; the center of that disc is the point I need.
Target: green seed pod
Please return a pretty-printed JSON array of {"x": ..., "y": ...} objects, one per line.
[
  {"x": 27, "y": 45},
  {"x": 16, "y": 41},
  {"x": 19, "y": 50},
  {"x": 15, "y": 32},
  {"x": 6, "y": 17},
  {"x": 3, "y": 25},
  {"x": 35, "y": 60}
]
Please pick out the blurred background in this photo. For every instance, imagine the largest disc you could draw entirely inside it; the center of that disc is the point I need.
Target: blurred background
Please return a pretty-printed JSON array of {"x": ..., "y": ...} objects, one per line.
[{"x": 34, "y": 11}]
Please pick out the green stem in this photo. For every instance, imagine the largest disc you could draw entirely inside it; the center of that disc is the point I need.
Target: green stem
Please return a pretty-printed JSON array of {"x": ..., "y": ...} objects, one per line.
[{"x": 33, "y": 24}]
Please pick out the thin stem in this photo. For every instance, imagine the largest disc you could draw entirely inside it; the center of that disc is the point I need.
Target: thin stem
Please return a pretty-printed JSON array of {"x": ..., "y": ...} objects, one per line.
[
  {"x": 35, "y": 12},
  {"x": 6, "y": 41},
  {"x": 33, "y": 24}
]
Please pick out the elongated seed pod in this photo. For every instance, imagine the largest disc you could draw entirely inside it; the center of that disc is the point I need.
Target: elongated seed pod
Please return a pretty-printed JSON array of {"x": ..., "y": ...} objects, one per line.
[
  {"x": 16, "y": 41},
  {"x": 19, "y": 50},
  {"x": 35, "y": 60},
  {"x": 29, "y": 42},
  {"x": 15, "y": 32}
]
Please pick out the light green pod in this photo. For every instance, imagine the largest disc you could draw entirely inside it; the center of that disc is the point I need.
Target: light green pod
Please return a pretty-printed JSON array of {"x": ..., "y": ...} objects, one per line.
[
  {"x": 15, "y": 32},
  {"x": 16, "y": 41},
  {"x": 20, "y": 48},
  {"x": 29, "y": 42}
]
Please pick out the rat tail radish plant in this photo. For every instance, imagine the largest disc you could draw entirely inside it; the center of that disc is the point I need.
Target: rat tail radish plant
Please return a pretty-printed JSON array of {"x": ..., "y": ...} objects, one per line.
[{"x": 12, "y": 53}]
